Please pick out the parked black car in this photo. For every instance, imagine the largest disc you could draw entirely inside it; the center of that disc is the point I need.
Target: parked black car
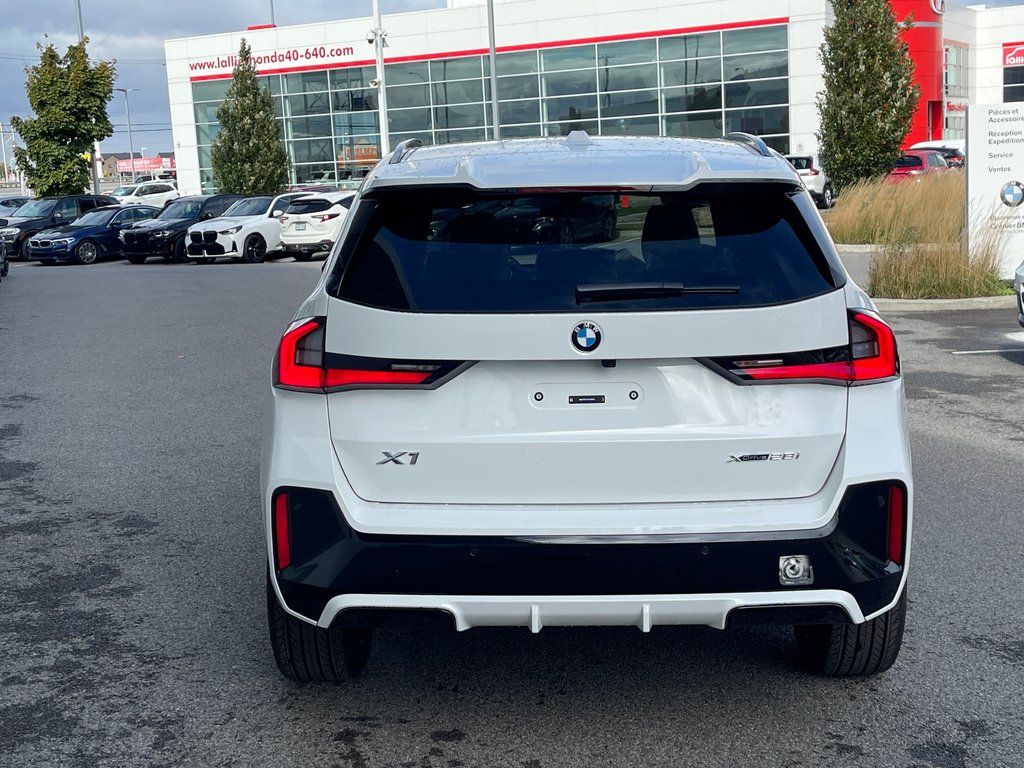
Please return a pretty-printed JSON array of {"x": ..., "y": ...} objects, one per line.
[
  {"x": 164, "y": 236},
  {"x": 5, "y": 265},
  {"x": 45, "y": 213}
]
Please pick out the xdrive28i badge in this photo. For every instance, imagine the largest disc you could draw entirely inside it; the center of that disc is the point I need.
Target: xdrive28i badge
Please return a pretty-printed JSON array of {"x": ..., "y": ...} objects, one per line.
[{"x": 586, "y": 336}]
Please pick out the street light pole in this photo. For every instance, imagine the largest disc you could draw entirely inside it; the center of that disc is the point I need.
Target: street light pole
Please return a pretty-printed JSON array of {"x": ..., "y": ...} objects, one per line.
[
  {"x": 95, "y": 145},
  {"x": 128, "y": 113},
  {"x": 379, "y": 41},
  {"x": 273, "y": 23}
]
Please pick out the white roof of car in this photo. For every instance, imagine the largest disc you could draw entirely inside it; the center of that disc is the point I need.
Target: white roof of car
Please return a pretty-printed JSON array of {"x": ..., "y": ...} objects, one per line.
[{"x": 581, "y": 160}]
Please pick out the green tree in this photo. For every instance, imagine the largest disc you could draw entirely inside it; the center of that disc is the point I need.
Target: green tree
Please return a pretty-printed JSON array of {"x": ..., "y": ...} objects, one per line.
[
  {"x": 870, "y": 95},
  {"x": 69, "y": 97},
  {"x": 247, "y": 153}
]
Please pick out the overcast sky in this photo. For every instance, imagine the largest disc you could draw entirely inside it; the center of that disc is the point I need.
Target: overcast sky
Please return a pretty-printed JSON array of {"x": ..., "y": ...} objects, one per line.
[{"x": 133, "y": 31}]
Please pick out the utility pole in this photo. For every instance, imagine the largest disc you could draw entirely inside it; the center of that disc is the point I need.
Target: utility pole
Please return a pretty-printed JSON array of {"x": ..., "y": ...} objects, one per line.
[
  {"x": 95, "y": 145},
  {"x": 494, "y": 75},
  {"x": 128, "y": 113},
  {"x": 379, "y": 38},
  {"x": 3, "y": 146},
  {"x": 272, "y": 22}
]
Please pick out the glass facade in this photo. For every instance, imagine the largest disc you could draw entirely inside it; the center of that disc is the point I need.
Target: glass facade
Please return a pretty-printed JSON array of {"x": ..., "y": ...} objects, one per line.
[{"x": 701, "y": 85}]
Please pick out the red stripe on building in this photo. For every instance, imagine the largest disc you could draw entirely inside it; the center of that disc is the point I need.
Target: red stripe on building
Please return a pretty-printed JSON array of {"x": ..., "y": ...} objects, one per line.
[{"x": 513, "y": 48}]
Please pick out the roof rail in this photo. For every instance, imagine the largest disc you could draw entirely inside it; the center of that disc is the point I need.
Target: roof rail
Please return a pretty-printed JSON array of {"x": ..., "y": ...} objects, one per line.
[
  {"x": 755, "y": 142},
  {"x": 403, "y": 149}
]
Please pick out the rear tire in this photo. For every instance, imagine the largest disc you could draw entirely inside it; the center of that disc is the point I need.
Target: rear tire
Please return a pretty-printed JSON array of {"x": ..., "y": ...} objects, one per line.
[
  {"x": 307, "y": 654},
  {"x": 828, "y": 198},
  {"x": 853, "y": 650}
]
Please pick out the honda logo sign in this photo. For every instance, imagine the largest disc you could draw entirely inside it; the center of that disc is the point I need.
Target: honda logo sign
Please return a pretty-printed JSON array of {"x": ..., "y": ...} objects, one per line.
[{"x": 1013, "y": 54}]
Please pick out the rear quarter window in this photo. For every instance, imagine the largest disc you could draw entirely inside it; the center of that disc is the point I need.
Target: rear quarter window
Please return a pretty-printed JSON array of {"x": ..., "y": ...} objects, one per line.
[{"x": 457, "y": 251}]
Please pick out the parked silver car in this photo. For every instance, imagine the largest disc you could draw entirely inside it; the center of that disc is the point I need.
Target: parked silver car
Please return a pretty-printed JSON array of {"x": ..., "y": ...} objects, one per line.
[{"x": 814, "y": 178}]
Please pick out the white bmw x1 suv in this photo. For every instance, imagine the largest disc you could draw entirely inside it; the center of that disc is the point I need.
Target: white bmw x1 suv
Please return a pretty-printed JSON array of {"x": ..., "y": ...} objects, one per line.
[{"x": 480, "y": 413}]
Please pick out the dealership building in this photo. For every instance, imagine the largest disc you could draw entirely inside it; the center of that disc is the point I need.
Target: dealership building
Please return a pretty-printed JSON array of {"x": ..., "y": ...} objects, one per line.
[{"x": 684, "y": 68}]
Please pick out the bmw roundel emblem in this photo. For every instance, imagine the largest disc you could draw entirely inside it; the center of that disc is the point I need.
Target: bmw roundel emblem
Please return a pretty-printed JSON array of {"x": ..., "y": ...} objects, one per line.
[
  {"x": 586, "y": 337},
  {"x": 1012, "y": 194}
]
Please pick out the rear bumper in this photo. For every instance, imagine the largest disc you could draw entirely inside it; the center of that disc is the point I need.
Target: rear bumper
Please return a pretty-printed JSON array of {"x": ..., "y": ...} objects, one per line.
[
  {"x": 516, "y": 581},
  {"x": 323, "y": 246}
]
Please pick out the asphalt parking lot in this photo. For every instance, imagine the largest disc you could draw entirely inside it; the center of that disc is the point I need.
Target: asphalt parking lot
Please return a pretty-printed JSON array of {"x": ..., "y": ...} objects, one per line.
[{"x": 133, "y": 629}]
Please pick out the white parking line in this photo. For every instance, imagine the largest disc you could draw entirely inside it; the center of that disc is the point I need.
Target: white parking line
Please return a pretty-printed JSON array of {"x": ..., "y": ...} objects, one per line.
[{"x": 1017, "y": 350}]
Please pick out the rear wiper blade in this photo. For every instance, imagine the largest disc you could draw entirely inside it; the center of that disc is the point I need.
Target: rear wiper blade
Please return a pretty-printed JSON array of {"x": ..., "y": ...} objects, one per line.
[{"x": 592, "y": 292}]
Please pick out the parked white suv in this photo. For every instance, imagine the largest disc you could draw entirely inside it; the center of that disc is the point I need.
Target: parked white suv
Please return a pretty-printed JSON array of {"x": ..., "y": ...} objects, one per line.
[
  {"x": 156, "y": 193},
  {"x": 699, "y": 421},
  {"x": 311, "y": 225},
  {"x": 248, "y": 230},
  {"x": 814, "y": 178}
]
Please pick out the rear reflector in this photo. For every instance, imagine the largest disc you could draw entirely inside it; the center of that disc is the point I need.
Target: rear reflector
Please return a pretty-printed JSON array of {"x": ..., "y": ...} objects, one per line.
[
  {"x": 870, "y": 356},
  {"x": 302, "y": 365},
  {"x": 282, "y": 532},
  {"x": 897, "y": 515}
]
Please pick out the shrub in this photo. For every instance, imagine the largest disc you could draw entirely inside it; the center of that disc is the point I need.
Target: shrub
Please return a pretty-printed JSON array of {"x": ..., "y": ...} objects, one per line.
[
  {"x": 919, "y": 226},
  {"x": 877, "y": 212},
  {"x": 939, "y": 271}
]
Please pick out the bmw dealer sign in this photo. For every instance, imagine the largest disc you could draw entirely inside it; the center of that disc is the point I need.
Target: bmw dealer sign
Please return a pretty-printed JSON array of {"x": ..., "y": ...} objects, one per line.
[{"x": 995, "y": 176}]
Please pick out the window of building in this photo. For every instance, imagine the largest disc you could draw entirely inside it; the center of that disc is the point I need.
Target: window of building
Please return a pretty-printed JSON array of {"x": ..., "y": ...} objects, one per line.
[
  {"x": 702, "y": 84},
  {"x": 955, "y": 73}
]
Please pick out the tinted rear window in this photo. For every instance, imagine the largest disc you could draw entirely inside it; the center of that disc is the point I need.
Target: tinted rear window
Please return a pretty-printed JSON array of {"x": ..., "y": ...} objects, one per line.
[
  {"x": 801, "y": 163},
  {"x": 299, "y": 207},
  {"x": 459, "y": 251},
  {"x": 909, "y": 161}
]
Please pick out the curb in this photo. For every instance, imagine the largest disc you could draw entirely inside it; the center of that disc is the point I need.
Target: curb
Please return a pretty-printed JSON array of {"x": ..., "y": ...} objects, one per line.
[{"x": 1008, "y": 302}]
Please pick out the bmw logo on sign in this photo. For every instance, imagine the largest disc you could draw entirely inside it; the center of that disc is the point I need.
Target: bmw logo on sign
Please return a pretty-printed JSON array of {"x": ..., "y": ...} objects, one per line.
[
  {"x": 1012, "y": 194},
  {"x": 586, "y": 337}
]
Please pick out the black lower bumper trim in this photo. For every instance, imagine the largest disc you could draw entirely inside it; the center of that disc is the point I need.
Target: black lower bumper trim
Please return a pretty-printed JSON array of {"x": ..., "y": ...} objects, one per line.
[{"x": 329, "y": 558}]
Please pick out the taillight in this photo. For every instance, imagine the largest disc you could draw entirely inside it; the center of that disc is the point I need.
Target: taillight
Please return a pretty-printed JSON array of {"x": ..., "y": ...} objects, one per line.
[
  {"x": 897, "y": 524},
  {"x": 870, "y": 356},
  {"x": 327, "y": 216},
  {"x": 813, "y": 172},
  {"x": 282, "y": 219},
  {"x": 872, "y": 349},
  {"x": 282, "y": 532},
  {"x": 302, "y": 365}
]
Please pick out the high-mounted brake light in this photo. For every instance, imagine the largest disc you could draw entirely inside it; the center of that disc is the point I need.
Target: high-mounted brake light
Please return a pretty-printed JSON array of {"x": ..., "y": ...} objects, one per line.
[
  {"x": 302, "y": 365},
  {"x": 870, "y": 356}
]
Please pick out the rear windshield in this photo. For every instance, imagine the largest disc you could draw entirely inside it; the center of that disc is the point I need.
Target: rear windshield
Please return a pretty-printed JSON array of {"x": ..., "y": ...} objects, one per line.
[
  {"x": 801, "y": 163},
  {"x": 909, "y": 161},
  {"x": 460, "y": 251},
  {"x": 299, "y": 207}
]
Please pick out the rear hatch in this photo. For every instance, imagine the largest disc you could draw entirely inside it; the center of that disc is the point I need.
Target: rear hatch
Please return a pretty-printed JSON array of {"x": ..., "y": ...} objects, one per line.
[
  {"x": 909, "y": 165},
  {"x": 478, "y": 361},
  {"x": 313, "y": 219}
]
